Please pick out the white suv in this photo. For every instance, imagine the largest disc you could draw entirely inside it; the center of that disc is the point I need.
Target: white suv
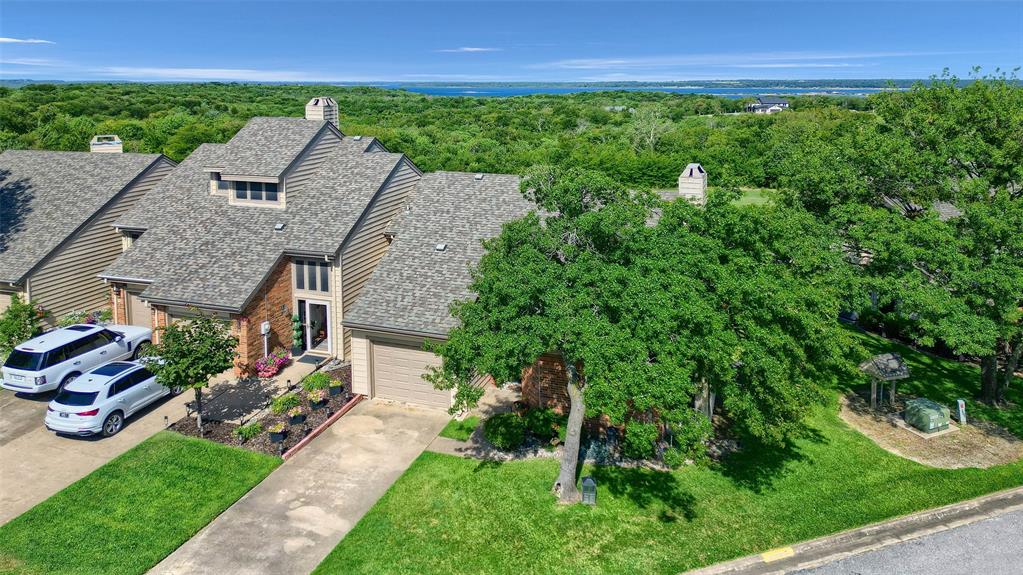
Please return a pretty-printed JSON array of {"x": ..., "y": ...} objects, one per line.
[
  {"x": 101, "y": 399},
  {"x": 56, "y": 358}
]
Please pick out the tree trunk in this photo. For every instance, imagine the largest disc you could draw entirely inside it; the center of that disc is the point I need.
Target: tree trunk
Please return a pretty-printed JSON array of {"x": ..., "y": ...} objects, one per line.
[
  {"x": 198, "y": 409},
  {"x": 565, "y": 487},
  {"x": 989, "y": 379},
  {"x": 1011, "y": 364}
]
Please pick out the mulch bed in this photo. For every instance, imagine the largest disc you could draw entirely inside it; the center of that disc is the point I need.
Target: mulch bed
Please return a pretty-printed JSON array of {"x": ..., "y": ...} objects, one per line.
[{"x": 223, "y": 432}]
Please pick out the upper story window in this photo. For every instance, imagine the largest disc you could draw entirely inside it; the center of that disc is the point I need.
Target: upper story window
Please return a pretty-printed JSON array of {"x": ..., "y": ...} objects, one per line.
[
  {"x": 312, "y": 275},
  {"x": 255, "y": 191}
]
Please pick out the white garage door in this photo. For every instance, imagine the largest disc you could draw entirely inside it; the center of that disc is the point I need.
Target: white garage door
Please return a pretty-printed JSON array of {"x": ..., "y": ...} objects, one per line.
[{"x": 398, "y": 375}]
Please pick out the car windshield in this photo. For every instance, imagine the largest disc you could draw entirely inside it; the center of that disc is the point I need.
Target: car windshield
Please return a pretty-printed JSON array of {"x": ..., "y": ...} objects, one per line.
[
  {"x": 29, "y": 360},
  {"x": 76, "y": 398}
]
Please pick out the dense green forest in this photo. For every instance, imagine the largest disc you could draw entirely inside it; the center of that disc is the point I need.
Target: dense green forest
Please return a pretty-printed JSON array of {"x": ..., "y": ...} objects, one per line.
[{"x": 640, "y": 138}]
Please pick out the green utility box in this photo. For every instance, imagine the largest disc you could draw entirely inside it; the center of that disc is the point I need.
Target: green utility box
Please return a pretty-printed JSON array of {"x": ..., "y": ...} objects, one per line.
[{"x": 926, "y": 415}]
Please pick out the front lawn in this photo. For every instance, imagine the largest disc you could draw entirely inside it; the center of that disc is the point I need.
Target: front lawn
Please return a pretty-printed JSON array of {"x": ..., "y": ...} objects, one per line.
[
  {"x": 129, "y": 514},
  {"x": 460, "y": 430},
  {"x": 454, "y": 515}
]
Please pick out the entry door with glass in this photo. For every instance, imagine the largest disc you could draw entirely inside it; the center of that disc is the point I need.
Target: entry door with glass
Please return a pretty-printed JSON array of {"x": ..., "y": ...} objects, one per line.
[{"x": 315, "y": 318}]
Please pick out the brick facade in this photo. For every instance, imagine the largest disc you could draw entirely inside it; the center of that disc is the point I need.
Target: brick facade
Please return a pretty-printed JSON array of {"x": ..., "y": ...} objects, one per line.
[
  {"x": 271, "y": 303},
  {"x": 119, "y": 302},
  {"x": 544, "y": 384}
]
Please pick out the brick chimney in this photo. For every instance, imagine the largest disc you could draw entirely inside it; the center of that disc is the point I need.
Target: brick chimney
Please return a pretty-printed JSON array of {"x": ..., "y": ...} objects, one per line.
[
  {"x": 106, "y": 144},
  {"x": 692, "y": 184},
  {"x": 322, "y": 108}
]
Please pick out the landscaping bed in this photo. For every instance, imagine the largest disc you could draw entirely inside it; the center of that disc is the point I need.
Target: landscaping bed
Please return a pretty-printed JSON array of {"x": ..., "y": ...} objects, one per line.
[
  {"x": 129, "y": 514},
  {"x": 258, "y": 438}
]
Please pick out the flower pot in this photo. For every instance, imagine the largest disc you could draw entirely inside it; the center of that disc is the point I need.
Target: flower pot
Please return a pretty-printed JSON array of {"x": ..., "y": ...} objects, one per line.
[
  {"x": 335, "y": 389},
  {"x": 318, "y": 404},
  {"x": 297, "y": 419},
  {"x": 278, "y": 436}
]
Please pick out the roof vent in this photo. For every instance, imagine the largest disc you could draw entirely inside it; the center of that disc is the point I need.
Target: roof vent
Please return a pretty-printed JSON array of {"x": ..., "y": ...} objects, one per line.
[
  {"x": 478, "y": 177},
  {"x": 279, "y": 227},
  {"x": 357, "y": 138},
  {"x": 440, "y": 247},
  {"x": 106, "y": 143}
]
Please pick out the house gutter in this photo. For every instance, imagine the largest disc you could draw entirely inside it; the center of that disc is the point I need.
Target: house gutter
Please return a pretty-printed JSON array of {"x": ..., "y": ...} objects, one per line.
[{"x": 393, "y": 330}]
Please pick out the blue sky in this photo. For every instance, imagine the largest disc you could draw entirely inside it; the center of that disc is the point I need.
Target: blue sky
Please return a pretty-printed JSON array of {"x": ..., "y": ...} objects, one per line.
[{"x": 498, "y": 41}]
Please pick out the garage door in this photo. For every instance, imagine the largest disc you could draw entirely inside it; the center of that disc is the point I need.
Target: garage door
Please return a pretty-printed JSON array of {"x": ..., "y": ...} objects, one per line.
[{"x": 398, "y": 375}]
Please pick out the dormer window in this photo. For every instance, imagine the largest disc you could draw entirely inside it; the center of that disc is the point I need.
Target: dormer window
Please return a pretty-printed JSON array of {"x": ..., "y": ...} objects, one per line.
[{"x": 255, "y": 191}]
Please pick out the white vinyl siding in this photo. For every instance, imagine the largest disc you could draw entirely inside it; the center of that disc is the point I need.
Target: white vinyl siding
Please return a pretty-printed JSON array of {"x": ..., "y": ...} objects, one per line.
[
  {"x": 310, "y": 161},
  {"x": 67, "y": 280},
  {"x": 367, "y": 245}
]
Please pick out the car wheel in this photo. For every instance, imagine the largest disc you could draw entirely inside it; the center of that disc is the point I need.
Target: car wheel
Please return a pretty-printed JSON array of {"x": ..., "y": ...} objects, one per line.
[
  {"x": 176, "y": 390},
  {"x": 112, "y": 424},
  {"x": 141, "y": 349},
  {"x": 71, "y": 377}
]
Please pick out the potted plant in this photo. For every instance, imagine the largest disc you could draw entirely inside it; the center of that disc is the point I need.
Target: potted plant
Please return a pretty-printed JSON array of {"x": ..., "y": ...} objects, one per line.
[
  {"x": 272, "y": 364},
  {"x": 336, "y": 385},
  {"x": 296, "y": 415},
  {"x": 278, "y": 432},
  {"x": 318, "y": 398},
  {"x": 296, "y": 335}
]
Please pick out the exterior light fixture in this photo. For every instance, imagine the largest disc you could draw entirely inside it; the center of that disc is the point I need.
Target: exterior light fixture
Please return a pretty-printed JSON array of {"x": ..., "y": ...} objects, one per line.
[{"x": 589, "y": 490}]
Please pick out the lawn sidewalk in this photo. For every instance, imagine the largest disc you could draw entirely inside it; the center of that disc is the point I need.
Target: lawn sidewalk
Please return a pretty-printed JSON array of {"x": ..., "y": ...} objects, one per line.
[{"x": 130, "y": 513}]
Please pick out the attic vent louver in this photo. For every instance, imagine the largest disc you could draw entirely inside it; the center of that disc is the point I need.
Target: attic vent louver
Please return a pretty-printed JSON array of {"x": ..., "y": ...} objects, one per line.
[
  {"x": 279, "y": 227},
  {"x": 440, "y": 247},
  {"x": 478, "y": 177}
]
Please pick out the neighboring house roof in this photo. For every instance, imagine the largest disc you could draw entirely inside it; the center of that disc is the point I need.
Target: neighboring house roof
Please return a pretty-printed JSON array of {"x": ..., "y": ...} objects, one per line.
[
  {"x": 769, "y": 100},
  {"x": 946, "y": 210},
  {"x": 45, "y": 197},
  {"x": 267, "y": 146},
  {"x": 415, "y": 283},
  {"x": 200, "y": 250}
]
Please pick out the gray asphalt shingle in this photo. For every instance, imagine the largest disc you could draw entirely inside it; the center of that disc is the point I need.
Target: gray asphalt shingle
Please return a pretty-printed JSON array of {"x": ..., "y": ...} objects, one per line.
[
  {"x": 414, "y": 285},
  {"x": 199, "y": 249},
  {"x": 266, "y": 146},
  {"x": 46, "y": 196}
]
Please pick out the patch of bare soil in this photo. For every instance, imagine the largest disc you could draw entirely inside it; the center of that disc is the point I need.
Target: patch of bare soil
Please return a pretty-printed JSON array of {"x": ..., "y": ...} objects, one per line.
[{"x": 977, "y": 444}]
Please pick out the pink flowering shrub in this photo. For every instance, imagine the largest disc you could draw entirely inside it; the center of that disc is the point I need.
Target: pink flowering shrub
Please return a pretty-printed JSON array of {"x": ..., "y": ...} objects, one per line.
[{"x": 272, "y": 364}]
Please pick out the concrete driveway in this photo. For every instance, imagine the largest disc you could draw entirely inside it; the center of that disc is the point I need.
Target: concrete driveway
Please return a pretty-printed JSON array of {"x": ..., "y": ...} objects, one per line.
[
  {"x": 36, "y": 463},
  {"x": 297, "y": 515}
]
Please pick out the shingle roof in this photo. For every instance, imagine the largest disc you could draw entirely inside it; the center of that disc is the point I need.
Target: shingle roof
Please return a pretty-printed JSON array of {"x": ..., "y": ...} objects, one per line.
[
  {"x": 771, "y": 100},
  {"x": 46, "y": 196},
  {"x": 415, "y": 284},
  {"x": 267, "y": 146},
  {"x": 199, "y": 249}
]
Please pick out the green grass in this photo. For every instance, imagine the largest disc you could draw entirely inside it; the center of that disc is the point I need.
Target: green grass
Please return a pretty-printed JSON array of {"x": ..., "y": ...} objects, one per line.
[
  {"x": 452, "y": 515},
  {"x": 129, "y": 514},
  {"x": 460, "y": 430}
]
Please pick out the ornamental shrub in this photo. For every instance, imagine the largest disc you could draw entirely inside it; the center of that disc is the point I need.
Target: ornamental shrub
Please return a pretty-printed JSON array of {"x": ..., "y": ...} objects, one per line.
[
  {"x": 283, "y": 403},
  {"x": 248, "y": 431},
  {"x": 639, "y": 440},
  {"x": 19, "y": 322},
  {"x": 545, "y": 424},
  {"x": 272, "y": 364},
  {"x": 505, "y": 431},
  {"x": 318, "y": 380}
]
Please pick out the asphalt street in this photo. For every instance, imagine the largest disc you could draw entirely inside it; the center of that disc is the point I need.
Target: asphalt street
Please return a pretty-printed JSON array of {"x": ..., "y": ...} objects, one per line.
[{"x": 989, "y": 547}]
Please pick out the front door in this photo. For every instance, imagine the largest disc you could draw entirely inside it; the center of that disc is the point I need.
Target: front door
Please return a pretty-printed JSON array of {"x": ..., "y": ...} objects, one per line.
[{"x": 315, "y": 318}]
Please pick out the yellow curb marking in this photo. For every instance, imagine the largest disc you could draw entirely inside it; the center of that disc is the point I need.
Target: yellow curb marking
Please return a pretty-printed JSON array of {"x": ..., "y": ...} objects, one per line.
[{"x": 777, "y": 554}]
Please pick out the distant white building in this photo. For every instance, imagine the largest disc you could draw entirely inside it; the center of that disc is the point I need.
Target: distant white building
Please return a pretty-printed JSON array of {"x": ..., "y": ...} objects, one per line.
[{"x": 767, "y": 105}]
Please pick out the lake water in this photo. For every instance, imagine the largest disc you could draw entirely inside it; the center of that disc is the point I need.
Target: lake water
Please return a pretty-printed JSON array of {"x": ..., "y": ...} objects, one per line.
[{"x": 505, "y": 91}]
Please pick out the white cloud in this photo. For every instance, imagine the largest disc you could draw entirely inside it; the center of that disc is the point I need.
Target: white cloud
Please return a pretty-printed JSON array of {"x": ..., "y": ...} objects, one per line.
[
  {"x": 720, "y": 59},
  {"x": 468, "y": 50},
  {"x": 796, "y": 65},
  {"x": 29, "y": 62},
  {"x": 24, "y": 41},
  {"x": 229, "y": 74}
]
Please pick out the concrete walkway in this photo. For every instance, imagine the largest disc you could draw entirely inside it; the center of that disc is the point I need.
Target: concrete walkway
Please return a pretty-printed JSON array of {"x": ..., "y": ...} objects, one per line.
[
  {"x": 36, "y": 463},
  {"x": 297, "y": 515}
]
